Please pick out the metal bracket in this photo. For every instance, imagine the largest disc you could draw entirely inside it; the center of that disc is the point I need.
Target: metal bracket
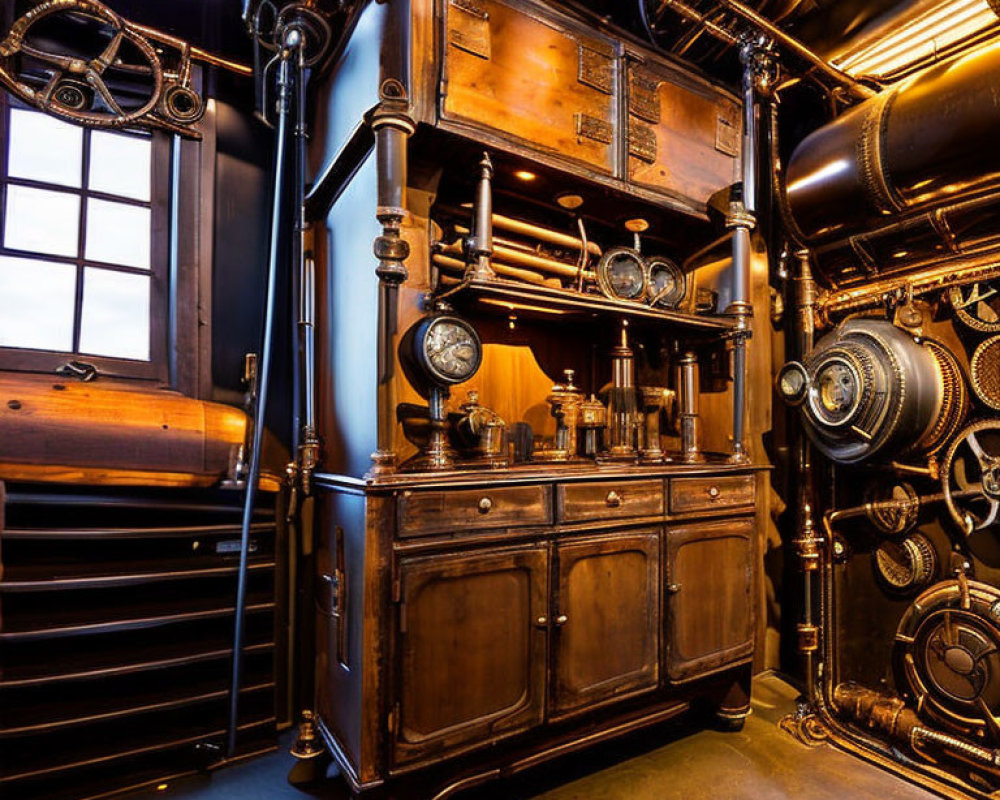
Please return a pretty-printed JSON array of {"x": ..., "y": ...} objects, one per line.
[
  {"x": 642, "y": 142},
  {"x": 643, "y": 95}
]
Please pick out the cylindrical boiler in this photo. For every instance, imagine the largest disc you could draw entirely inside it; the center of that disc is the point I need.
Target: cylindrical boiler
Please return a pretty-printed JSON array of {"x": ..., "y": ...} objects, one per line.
[{"x": 927, "y": 140}]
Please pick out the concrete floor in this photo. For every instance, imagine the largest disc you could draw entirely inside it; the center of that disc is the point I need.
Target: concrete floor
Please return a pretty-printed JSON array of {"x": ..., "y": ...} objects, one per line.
[{"x": 759, "y": 763}]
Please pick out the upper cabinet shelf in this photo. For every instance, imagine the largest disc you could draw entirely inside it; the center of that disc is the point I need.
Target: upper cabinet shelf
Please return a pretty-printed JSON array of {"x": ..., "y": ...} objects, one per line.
[{"x": 526, "y": 301}]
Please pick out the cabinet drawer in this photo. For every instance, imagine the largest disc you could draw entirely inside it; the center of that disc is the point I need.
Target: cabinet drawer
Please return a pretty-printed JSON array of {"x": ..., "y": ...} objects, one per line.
[
  {"x": 426, "y": 512},
  {"x": 707, "y": 494},
  {"x": 610, "y": 500}
]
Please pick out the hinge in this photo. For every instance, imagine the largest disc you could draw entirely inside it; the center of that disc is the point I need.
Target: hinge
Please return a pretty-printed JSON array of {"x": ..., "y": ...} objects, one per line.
[
  {"x": 643, "y": 95},
  {"x": 392, "y": 721},
  {"x": 642, "y": 142},
  {"x": 596, "y": 65},
  {"x": 593, "y": 128},
  {"x": 397, "y": 590}
]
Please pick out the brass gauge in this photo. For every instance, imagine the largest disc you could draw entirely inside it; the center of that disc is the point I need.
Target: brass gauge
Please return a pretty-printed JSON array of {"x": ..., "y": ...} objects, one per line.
[
  {"x": 622, "y": 274},
  {"x": 666, "y": 282},
  {"x": 793, "y": 383},
  {"x": 447, "y": 349}
]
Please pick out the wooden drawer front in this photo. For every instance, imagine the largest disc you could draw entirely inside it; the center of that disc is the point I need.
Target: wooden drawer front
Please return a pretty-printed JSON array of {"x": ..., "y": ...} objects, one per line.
[
  {"x": 708, "y": 494},
  {"x": 610, "y": 500},
  {"x": 426, "y": 512},
  {"x": 528, "y": 75}
]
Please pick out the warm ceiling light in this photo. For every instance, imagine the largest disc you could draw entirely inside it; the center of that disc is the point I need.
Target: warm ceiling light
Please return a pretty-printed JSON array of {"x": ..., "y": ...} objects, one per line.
[
  {"x": 637, "y": 225},
  {"x": 570, "y": 201},
  {"x": 524, "y": 175},
  {"x": 929, "y": 30}
]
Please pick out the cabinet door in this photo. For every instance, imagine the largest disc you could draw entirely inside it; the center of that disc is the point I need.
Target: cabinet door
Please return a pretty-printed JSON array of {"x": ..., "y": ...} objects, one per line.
[
  {"x": 708, "y": 596},
  {"x": 606, "y": 618},
  {"x": 471, "y": 649}
]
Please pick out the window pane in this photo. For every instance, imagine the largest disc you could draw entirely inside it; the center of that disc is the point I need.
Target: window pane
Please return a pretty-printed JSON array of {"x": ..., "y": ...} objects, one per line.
[
  {"x": 118, "y": 233},
  {"x": 120, "y": 164},
  {"x": 115, "y": 314},
  {"x": 43, "y": 148},
  {"x": 36, "y": 304},
  {"x": 42, "y": 221}
]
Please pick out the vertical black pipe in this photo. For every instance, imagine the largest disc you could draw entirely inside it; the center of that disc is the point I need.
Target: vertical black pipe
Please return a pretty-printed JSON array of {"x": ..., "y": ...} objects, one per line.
[{"x": 253, "y": 478}]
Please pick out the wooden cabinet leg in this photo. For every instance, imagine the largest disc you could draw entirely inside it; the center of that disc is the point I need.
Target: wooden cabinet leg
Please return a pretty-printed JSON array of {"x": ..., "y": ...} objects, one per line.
[{"x": 734, "y": 707}]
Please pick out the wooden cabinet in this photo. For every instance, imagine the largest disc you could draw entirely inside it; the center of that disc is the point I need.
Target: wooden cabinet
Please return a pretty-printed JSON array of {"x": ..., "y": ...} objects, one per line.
[
  {"x": 503, "y": 65},
  {"x": 471, "y": 649},
  {"x": 709, "y": 611},
  {"x": 606, "y": 618}
]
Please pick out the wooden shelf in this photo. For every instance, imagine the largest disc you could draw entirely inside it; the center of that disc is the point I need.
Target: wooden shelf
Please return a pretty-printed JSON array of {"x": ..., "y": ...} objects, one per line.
[
  {"x": 502, "y": 297},
  {"x": 186, "y": 532}
]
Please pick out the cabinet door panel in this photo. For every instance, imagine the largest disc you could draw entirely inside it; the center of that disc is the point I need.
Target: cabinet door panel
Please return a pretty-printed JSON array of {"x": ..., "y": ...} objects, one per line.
[
  {"x": 471, "y": 656},
  {"x": 608, "y": 643},
  {"x": 708, "y": 596}
]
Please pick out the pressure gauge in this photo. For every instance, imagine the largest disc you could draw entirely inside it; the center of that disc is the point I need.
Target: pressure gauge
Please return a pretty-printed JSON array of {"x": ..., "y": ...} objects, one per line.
[
  {"x": 667, "y": 285},
  {"x": 621, "y": 274},
  {"x": 977, "y": 305},
  {"x": 836, "y": 391},
  {"x": 793, "y": 383},
  {"x": 447, "y": 349}
]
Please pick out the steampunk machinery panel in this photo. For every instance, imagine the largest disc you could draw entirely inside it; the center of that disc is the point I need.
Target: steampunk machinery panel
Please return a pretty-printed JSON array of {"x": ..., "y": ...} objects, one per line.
[{"x": 870, "y": 389}]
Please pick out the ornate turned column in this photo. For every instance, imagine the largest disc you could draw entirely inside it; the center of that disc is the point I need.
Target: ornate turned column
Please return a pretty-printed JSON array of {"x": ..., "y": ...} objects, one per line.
[
  {"x": 393, "y": 125},
  {"x": 758, "y": 78}
]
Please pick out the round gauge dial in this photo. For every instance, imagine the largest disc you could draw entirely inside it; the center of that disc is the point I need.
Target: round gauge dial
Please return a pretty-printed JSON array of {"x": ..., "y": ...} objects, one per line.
[
  {"x": 793, "y": 382},
  {"x": 621, "y": 274},
  {"x": 835, "y": 392},
  {"x": 448, "y": 348},
  {"x": 667, "y": 285}
]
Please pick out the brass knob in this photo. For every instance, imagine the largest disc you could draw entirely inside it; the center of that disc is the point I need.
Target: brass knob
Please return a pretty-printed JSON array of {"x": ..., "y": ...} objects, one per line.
[
  {"x": 542, "y": 621},
  {"x": 614, "y": 500},
  {"x": 713, "y": 492},
  {"x": 485, "y": 505},
  {"x": 562, "y": 619},
  {"x": 673, "y": 588}
]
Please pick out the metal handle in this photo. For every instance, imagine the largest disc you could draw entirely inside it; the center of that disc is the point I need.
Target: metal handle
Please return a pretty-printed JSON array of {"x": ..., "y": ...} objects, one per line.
[
  {"x": 542, "y": 621},
  {"x": 485, "y": 505},
  {"x": 673, "y": 588},
  {"x": 613, "y": 500},
  {"x": 562, "y": 619},
  {"x": 713, "y": 492}
]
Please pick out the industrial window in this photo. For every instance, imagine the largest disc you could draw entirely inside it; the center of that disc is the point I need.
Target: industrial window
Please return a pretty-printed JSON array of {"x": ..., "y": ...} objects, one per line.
[{"x": 82, "y": 246}]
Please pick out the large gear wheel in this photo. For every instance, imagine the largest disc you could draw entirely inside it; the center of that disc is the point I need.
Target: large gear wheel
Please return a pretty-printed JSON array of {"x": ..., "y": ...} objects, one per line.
[{"x": 970, "y": 476}]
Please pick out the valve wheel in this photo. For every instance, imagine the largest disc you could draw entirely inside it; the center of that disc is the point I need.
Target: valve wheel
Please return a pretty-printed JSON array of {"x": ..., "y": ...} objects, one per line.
[{"x": 970, "y": 477}]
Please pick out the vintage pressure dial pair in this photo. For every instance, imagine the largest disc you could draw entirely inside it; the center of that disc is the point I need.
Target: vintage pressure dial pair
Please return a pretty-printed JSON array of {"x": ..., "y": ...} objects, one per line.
[{"x": 623, "y": 273}]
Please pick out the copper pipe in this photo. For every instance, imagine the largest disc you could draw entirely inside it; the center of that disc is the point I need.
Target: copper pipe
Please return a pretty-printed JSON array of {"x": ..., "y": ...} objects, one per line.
[
  {"x": 841, "y": 78},
  {"x": 523, "y": 228},
  {"x": 521, "y": 259},
  {"x": 457, "y": 265},
  {"x": 872, "y": 294}
]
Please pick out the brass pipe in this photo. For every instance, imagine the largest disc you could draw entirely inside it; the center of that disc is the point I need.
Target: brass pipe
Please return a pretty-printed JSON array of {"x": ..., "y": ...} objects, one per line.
[
  {"x": 522, "y": 259},
  {"x": 457, "y": 265},
  {"x": 872, "y": 294},
  {"x": 523, "y": 228},
  {"x": 841, "y": 78}
]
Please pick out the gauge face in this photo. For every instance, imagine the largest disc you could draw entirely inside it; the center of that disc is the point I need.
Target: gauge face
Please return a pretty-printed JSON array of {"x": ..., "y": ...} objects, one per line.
[
  {"x": 667, "y": 286},
  {"x": 622, "y": 274},
  {"x": 836, "y": 392},
  {"x": 449, "y": 349},
  {"x": 978, "y": 305},
  {"x": 793, "y": 383}
]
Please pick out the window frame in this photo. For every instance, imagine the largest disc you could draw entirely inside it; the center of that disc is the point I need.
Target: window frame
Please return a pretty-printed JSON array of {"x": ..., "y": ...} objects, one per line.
[{"x": 48, "y": 361}]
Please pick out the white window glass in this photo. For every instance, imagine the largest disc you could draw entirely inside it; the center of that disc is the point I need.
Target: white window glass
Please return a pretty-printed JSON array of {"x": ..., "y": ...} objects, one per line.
[
  {"x": 43, "y": 148},
  {"x": 36, "y": 304},
  {"x": 115, "y": 318},
  {"x": 41, "y": 221},
  {"x": 120, "y": 165},
  {"x": 118, "y": 233}
]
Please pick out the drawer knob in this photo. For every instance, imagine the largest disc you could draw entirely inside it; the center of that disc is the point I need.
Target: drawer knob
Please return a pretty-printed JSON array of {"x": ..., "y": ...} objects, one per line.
[
  {"x": 713, "y": 492},
  {"x": 562, "y": 619},
  {"x": 485, "y": 505},
  {"x": 673, "y": 588},
  {"x": 614, "y": 500},
  {"x": 542, "y": 621}
]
